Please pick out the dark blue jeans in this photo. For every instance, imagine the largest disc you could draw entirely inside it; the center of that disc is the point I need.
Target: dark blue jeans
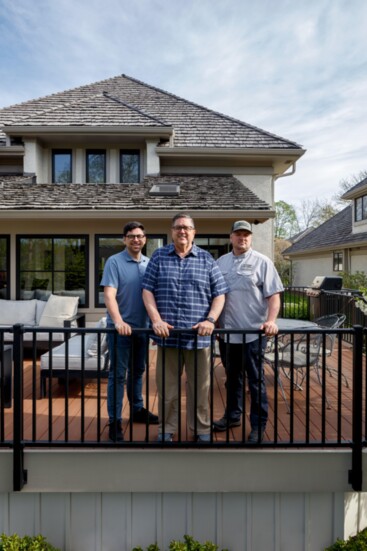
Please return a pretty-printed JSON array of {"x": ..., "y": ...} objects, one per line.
[
  {"x": 249, "y": 357},
  {"x": 129, "y": 356}
]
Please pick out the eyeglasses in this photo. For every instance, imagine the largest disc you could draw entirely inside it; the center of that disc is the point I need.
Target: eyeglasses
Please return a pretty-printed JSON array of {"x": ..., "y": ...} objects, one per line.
[
  {"x": 138, "y": 237},
  {"x": 183, "y": 228}
]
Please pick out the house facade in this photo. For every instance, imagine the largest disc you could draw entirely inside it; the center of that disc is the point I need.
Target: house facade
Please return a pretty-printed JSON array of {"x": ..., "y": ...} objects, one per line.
[
  {"x": 338, "y": 245},
  {"x": 77, "y": 165}
]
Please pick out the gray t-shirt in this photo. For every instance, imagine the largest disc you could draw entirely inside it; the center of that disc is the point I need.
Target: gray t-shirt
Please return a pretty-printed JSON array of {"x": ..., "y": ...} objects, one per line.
[{"x": 251, "y": 278}]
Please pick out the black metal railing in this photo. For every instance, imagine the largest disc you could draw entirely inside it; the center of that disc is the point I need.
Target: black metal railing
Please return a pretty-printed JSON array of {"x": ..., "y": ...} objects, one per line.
[{"x": 59, "y": 396}]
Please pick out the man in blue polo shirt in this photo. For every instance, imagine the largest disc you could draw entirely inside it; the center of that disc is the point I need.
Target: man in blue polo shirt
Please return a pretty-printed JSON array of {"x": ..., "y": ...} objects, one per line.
[
  {"x": 183, "y": 288},
  {"x": 122, "y": 277}
]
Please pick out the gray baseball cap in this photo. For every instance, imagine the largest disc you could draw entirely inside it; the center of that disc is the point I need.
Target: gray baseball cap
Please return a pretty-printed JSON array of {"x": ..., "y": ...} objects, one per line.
[{"x": 242, "y": 225}]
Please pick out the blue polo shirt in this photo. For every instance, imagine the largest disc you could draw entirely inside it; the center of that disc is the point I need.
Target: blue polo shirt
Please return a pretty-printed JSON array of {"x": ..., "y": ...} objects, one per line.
[
  {"x": 125, "y": 274},
  {"x": 184, "y": 289}
]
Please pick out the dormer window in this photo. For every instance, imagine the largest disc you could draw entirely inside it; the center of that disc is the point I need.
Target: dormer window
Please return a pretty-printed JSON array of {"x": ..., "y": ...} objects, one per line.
[
  {"x": 62, "y": 166},
  {"x": 95, "y": 166},
  {"x": 130, "y": 166},
  {"x": 360, "y": 208}
]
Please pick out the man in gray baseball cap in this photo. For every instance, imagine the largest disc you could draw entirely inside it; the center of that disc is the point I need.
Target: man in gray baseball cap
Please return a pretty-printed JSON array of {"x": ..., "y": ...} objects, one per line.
[{"x": 252, "y": 303}]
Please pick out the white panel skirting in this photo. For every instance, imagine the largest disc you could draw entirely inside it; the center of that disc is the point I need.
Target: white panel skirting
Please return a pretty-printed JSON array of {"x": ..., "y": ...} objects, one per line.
[{"x": 266, "y": 508}]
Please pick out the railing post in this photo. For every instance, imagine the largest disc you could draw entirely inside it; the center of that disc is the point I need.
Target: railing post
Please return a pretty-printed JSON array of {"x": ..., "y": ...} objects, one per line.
[
  {"x": 355, "y": 474},
  {"x": 19, "y": 474}
]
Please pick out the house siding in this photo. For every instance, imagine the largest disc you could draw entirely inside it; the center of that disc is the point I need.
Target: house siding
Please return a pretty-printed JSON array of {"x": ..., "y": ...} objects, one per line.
[{"x": 241, "y": 500}]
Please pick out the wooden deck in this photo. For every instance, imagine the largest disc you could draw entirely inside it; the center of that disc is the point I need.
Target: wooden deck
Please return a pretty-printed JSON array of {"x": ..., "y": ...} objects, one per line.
[{"x": 83, "y": 416}]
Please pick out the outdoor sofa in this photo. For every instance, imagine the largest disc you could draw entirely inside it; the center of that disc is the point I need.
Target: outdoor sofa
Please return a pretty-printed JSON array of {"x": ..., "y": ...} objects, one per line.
[{"x": 57, "y": 311}]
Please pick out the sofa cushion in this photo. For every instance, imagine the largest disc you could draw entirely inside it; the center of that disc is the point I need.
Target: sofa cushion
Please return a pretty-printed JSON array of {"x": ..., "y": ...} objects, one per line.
[
  {"x": 18, "y": 311},
  {"x": 91, "y": 344},
  {"x": 40, "y": 306},
  {"x": 57, "y": 310}
]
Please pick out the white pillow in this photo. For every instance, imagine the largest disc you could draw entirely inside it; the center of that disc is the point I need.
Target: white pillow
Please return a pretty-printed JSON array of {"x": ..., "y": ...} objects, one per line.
[
  {"x": 41, "y": 304},
  {"x": 57, "y": 310},
  {"x": 91, "y": 343},
  {"x": 18, "y": 311}
]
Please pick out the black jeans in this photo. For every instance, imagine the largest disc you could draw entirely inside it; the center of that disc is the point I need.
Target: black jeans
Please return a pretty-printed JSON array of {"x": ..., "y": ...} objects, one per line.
[{"x": 248, "y": 358}]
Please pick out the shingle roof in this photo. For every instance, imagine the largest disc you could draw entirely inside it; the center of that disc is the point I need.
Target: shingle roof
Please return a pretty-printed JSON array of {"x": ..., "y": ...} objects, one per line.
[
  {"x": 197, "y": 193},
  {"x": 133, "y": 100},
  {"x": 335, "y": 232}
]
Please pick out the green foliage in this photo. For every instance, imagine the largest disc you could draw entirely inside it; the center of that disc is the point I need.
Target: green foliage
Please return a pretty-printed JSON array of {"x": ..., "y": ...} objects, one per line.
[
  {"x": 188, "y": 544},
  {"x": 358, "y": 280},
  {"x": 286, "y": 223},
  {"x": 25, "y": 543},
  {"x": 354, "y": 543},
  {"x": 295, "y": 306}
]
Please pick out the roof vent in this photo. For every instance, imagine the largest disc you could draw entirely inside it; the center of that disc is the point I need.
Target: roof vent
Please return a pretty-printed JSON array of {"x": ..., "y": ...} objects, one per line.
[{"x": 165, "y": 189}]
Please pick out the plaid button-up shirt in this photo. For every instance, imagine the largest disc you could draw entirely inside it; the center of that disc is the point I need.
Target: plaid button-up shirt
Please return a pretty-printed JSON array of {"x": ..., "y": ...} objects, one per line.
[{"x": 184, "y": 289}]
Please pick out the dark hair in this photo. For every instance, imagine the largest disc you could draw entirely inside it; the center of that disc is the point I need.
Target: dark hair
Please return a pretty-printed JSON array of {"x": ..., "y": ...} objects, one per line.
[
  {"x": 182, "y": 215},
  {"x": 132, "y": 226}
]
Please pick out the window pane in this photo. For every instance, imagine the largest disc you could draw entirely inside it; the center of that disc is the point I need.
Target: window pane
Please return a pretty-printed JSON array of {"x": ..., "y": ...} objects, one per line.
[
  {"x": 338, "y": 262},
  {"x": 61, "y": 167},
  {"x": 358, "y": 207},
  {"x": 96, "y": 167},
  {"x": 52, "y": 265},
  {"x": 130, "y": 165},
  {"x": 364, "y": 207},
  {"x": 4, "y": 263},
  {"x": 215, "y": 245}
]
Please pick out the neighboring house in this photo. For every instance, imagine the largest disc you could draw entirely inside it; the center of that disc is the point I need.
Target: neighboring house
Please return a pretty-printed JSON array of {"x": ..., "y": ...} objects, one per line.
[
  {"x": 339, "y": 244},
  {"x": 77, "y": 165}
]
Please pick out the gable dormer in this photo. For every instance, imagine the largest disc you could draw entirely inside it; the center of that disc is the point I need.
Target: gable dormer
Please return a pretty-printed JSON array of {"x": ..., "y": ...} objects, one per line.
[{"x": 358, "y": 196}]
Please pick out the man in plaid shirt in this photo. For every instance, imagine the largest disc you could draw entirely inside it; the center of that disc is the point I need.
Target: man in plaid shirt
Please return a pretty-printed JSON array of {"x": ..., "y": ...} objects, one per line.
[{"x": 183, "y": 288}]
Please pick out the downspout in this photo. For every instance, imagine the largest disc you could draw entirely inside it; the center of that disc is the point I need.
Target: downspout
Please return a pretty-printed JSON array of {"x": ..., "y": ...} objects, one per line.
[{"x": 293, "y": 171}]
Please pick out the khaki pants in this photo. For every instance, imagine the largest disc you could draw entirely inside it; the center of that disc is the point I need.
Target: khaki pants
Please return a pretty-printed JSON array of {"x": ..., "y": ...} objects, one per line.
[{"x": 171, "y": 388}]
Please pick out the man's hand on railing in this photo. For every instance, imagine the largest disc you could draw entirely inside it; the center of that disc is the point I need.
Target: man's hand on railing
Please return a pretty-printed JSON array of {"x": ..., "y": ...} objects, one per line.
[
  {"x": 162, "y": 328},
  {"x": 270, "y": 328},
  {"x": 205, "y": 328},
  {"x": 123, "y": 329}
]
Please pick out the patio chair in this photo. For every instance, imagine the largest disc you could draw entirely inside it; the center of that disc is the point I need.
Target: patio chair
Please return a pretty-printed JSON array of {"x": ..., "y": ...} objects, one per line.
[
  {"x": 332, "y": 321},
  {"x": 300, "y": 353}
]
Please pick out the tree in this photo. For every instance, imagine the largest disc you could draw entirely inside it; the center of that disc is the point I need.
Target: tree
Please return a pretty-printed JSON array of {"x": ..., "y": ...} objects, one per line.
[
  {"x": 286, "y": 223},
  {"x": 347, "y": 183},
  {"x": 282, "y": 263},
  {"x": 312, "y": 213}
]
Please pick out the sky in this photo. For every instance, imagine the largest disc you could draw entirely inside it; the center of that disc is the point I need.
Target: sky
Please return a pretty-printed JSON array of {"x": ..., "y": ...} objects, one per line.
[{"x": 297, "y": 69}]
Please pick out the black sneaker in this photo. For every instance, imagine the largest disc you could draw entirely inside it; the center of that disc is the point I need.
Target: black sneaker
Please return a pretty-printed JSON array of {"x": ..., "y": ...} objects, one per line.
[
  {"x": 222, "y": 424},
  {"x": 115, "y": 432},
  {"x": 144, "y": 416},
  {"x": 254, "y": 435}
]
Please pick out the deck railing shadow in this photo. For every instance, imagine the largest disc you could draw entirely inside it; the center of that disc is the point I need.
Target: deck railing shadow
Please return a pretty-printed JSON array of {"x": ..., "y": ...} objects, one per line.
[{"x": 325, "y": 413}]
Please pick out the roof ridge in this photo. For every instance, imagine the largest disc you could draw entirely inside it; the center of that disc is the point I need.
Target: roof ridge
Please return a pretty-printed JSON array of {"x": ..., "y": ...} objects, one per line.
[
  {"x": 133, "y": 108},
  {"x": 222, "y": 115}
]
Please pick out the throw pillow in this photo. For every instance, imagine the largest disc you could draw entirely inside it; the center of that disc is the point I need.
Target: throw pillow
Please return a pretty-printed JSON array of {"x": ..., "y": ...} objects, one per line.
[
  {"x": 18, "y": 311},
  {"x": 91, "y": 344},
  {"x": 57, "y": 310}
]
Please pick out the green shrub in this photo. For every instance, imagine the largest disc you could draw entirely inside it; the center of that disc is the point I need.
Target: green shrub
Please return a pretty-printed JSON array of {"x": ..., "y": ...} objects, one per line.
[
  {"x": 25, "y": 543},
  {"x": 189, "y": 544},
  {"x": 354, "y": 543}
]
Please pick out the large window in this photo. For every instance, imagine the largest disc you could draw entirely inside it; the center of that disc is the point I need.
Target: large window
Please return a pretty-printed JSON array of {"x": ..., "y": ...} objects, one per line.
[
  {"x": 62, "y": 166},
  {"x": 95, "y": 166},
  {"x": 129, "y": 166},
  {"x": 360, "y": 207},
  {"x": 107, "y": 245},
  {"x": 216, "y": 245},
  {"x": 57, "y": 265},
  {"x": 4, "y": 266},
  {"x": 337, "y": 261}
]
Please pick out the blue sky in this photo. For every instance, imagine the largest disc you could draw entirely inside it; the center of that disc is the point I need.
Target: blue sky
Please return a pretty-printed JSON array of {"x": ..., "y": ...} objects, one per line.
[{"x": 295, "y": 68}]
